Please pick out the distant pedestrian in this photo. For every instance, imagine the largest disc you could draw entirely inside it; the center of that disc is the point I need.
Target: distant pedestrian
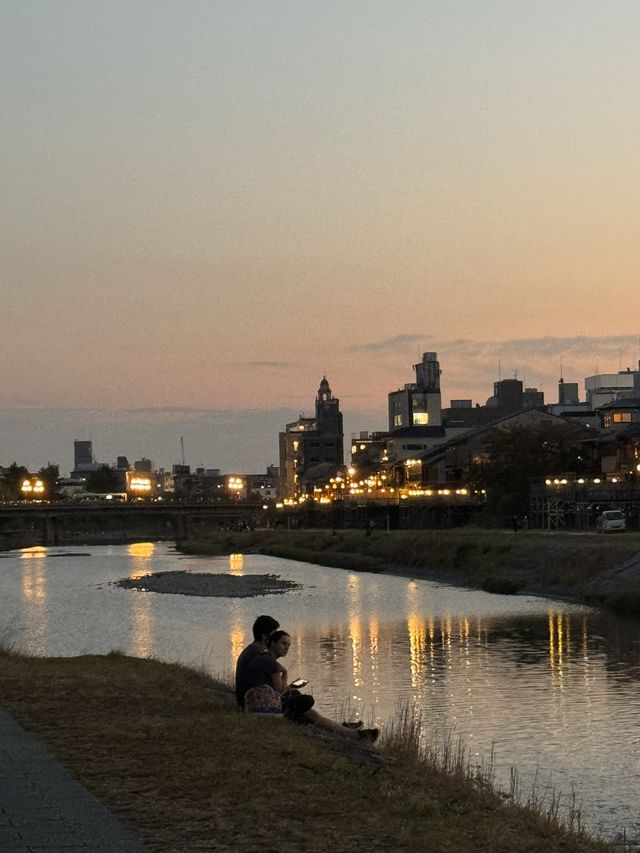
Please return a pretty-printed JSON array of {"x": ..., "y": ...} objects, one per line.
[{"x": 515, "y": 523}]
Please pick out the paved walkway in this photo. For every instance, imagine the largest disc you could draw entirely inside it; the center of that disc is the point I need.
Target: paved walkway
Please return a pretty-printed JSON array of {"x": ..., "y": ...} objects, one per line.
[{"x": 44, "y": 810}]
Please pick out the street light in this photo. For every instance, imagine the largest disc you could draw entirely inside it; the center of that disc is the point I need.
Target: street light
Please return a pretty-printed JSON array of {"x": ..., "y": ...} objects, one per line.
[{"x": 32, "y": 488}]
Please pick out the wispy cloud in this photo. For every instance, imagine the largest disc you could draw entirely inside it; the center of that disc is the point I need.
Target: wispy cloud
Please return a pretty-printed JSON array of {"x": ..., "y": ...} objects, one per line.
[{"x": 397, "y": 342}]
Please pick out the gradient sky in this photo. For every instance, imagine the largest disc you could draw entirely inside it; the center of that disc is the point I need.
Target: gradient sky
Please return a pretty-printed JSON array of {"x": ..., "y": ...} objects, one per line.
[{"x": 206, "y": 205}]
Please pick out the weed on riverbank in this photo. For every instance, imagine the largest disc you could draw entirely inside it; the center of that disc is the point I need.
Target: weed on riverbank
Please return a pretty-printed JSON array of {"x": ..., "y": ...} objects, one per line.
[{"x": 166, "y": 750}]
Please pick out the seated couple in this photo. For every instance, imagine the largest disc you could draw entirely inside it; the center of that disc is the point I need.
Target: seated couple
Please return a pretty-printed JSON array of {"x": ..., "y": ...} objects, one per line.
[{"x": 259, "y": 670}]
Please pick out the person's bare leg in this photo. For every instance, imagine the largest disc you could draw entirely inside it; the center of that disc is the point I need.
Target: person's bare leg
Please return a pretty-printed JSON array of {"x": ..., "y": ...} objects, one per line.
[{"x": 331, "y": 726}]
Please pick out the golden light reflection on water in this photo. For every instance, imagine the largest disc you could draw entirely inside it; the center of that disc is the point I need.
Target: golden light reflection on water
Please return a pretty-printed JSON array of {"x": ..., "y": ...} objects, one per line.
[
  {"x": 34, "y": 580},
  {"x": 34, "y": 595},
  {"x": 142, "y": 615},
  {"x": 236, "y": 564},
  {"x": 417, "y": 648},
  {"x": 237, "y": 644},
  {"x": 558, "y": 647},
  {"x": 417, "y": 636},
  {"x": 374, "y": 646},
  {"x": 142, "y": 619},
  {"x": 355, "y": 635},
  {"x": 141, "y": 549},
  {"x": 355, "y": 628},
  {"x": 37, "y": 552}
]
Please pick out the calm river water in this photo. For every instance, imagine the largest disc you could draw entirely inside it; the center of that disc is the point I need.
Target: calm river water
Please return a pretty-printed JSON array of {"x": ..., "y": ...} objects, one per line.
[{"x": 550, "y": 688}]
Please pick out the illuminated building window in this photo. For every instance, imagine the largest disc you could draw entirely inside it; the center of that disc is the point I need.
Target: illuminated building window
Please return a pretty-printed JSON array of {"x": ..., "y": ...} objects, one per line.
[
  {"x": 420, "y": 418},
  {"x": 397, "y": 420},
  {"x": 622, "y": 417}
]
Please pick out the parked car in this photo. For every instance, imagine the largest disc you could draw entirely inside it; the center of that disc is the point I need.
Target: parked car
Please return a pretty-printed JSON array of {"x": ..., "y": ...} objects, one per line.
[{"x": 611, "y": 521}]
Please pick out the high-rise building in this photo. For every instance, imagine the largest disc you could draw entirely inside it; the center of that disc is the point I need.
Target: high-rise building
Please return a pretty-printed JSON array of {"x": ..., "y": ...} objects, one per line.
[
  {"x": 311, "y": 447},
  {"x": 567, "y": 393},
  {"x": 82, "y": 455},
  {"x": 418, "y": 403},
  {"x": 508, "y": 394}
]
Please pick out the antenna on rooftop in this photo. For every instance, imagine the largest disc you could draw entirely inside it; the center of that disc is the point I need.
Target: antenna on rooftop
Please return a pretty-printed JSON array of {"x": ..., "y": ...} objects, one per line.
[{"x": 182, "y": 450}]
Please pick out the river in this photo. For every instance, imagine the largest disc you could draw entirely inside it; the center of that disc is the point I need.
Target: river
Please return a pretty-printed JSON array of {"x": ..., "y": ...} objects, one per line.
[{"x": 549, "y": 688}]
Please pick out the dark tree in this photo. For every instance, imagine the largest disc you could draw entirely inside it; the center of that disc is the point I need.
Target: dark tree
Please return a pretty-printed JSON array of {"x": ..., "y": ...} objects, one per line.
[
  {"x": 513, "y": 457},
  {"x": 12, "y": 481},
  {"x": 105, "y": 479},
  {"x": 50, "y": 475}
]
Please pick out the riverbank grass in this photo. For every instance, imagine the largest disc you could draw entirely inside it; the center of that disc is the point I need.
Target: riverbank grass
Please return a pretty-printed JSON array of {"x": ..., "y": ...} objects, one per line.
[
  {"x": 566, "y": 565},
  {"x": 165, "y": 749}
]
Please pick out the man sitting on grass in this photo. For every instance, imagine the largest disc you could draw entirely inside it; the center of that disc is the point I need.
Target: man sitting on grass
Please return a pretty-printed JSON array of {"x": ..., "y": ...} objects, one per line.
[{"x": 262, "y": 628}]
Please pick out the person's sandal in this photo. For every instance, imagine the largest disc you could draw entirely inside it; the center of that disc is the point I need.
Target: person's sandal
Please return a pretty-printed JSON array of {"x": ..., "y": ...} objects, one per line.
[{"x": 368, "y": 734}]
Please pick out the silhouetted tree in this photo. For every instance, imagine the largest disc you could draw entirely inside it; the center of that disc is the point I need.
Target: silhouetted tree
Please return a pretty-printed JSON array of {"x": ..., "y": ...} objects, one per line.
[
  {"x": 50, "y": 474},
  {"x": 11, "y": 482},
  {"x": 105, "y": 479},
  {"x": 513, "y": 457}
]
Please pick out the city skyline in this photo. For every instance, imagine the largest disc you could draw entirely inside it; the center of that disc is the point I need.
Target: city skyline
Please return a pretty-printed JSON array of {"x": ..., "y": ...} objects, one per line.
[
  {"x": 232, "y": 440},
  {"x": 206, "y": 207}
]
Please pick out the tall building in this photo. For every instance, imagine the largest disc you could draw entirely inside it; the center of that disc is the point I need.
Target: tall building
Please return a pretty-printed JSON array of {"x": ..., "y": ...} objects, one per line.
[
  {"x": 311, "y": 447},
  {"x": 418, "y": 403},
  {"x": 567, "y": 393},
  {"x": 508, "y": 395},
  {"x": 82, "y": 455}
]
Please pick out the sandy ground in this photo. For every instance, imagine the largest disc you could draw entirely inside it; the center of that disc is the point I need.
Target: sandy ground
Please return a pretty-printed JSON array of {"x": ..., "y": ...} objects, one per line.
[{"x": 211, "y": 585}]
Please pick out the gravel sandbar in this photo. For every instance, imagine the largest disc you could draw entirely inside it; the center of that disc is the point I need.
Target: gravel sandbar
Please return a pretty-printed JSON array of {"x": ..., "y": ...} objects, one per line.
[{"x": 212, "y": 585}]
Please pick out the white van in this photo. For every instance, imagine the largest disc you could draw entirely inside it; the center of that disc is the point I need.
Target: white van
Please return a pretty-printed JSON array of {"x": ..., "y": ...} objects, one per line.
[{"x": 610, "y": 521}]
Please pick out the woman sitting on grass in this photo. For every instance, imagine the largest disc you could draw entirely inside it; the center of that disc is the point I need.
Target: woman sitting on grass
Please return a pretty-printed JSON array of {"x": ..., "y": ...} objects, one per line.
[{"x": 266, "y": 670}]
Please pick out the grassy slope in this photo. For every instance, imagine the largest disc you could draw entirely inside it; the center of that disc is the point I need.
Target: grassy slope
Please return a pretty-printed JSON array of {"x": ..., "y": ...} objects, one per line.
[
  {"x": 168, "y": 754},
  {"x": 565, "y": 565}
]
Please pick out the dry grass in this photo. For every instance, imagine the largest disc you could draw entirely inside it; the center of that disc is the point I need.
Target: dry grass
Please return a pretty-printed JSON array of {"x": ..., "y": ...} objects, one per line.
[{"x": 166, "y": 750}]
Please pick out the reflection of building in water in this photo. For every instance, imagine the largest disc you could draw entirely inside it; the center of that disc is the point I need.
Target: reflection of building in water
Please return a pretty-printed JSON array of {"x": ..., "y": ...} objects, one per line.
[
  {"x": 236, "y": 564},
  {"x": 34, "y": 597},
  {"x": 142, "y": 615}
]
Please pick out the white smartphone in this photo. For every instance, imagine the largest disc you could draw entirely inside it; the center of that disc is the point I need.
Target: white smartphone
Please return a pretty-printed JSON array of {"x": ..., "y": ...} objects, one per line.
[{"x": 299, "y": 682}]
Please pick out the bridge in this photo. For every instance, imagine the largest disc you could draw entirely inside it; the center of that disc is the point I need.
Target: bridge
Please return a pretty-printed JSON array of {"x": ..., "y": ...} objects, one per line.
[{"x": 64, "y": 524}]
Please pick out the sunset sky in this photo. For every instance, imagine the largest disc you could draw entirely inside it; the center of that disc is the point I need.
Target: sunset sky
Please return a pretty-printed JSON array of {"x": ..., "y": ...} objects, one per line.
[{"x": 207, "y": 205}]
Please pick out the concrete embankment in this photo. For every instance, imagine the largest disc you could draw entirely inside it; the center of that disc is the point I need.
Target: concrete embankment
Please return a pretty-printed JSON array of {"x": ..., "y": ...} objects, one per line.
[{"x": 599, "y": 570}]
